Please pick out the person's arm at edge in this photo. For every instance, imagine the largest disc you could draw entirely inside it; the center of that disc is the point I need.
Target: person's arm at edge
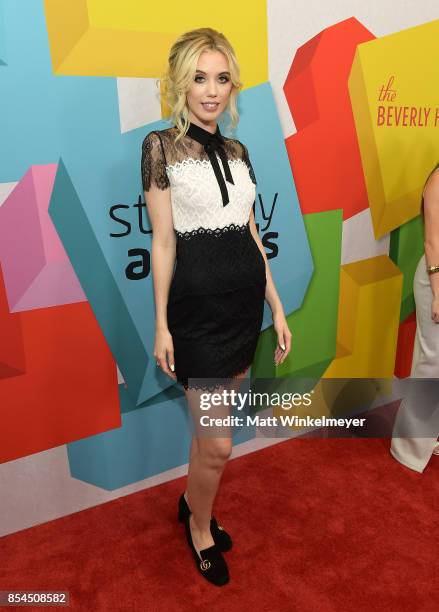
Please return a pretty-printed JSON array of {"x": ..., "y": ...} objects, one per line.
[{"x": 431, "y": 239}]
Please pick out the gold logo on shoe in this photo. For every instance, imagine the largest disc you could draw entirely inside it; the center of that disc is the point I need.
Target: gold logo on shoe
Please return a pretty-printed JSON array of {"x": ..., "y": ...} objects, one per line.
[
  {"x": 205, "y": 564},
  {"x": 219, "y": 527}
]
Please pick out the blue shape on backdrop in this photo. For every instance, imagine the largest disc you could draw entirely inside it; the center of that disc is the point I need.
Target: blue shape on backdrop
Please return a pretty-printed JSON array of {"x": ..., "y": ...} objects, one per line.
[
  {"x": 3, "y": 61},
  {"x": 260, "y": 130}
]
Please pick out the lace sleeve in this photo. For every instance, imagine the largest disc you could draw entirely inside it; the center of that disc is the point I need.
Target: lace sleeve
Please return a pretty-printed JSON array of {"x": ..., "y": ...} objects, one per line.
[
  {"x": 246, "y": 159},
  {"x": 153, "y": 163}
]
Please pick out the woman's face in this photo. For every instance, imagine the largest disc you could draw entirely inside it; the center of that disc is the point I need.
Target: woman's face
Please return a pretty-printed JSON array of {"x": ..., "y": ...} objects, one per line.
[{"x": 210, "y": 90}]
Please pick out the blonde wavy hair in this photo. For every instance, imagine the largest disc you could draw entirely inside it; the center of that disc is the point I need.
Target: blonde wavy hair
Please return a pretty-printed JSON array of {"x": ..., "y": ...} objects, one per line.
[{"x": 182, "y": 65}]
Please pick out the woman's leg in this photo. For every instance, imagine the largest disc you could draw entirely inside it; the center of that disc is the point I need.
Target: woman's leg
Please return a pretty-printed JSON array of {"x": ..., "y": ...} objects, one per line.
[
  {"x": 210, "y": 450},
  {"x": 415, "y": 452},
  {"x": 192, "y": 458}
]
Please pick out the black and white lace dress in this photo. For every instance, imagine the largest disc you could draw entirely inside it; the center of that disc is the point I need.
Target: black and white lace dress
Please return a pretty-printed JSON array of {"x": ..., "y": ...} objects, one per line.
[{"x": 216, "y": 298}]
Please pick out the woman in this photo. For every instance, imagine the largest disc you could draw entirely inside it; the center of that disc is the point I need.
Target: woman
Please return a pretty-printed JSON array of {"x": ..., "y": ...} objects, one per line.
[
  {"x": 415, "y": 452},
  {"x": 200, "y": 188}
]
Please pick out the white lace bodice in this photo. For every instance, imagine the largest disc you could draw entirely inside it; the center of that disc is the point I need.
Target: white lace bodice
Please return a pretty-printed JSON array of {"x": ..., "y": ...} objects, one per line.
[
  {"x": 196, "y": 198},
  {"x": 185, "y": 168}
]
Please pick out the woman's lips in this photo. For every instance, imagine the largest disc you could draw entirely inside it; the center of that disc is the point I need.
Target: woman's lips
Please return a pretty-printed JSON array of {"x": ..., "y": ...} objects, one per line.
[{"x": 210, "y": 106}]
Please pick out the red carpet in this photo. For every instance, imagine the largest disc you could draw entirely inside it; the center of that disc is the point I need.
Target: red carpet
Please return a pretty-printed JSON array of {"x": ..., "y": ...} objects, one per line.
[{"x": 318, "y": 525}]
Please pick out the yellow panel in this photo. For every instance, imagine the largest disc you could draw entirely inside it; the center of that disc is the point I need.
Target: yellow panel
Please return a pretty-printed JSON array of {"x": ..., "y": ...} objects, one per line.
[
  {"x": 85, "y": 58},
  {"x": 64, "y": 27},
  {"x": 396, "y": 157},
  {"x": 133, "y": 38},
  {"x": 368, "y": 319}
]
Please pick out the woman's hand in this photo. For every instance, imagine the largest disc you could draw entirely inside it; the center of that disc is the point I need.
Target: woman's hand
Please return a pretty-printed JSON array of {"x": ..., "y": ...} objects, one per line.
[
  {"x": 164, "y": 351},
  {"x": 283, "y": 337},
  {"x": 435, "y": 309}
]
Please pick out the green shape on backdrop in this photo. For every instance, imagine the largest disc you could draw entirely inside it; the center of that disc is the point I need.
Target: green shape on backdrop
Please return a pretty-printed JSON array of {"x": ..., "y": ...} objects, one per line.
[
  {"x": 314, "y": 323},
  {"x": 406, "y": 249}
]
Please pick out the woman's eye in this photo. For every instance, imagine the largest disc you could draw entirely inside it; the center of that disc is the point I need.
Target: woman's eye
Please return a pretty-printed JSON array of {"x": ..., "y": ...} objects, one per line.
[{"x": 222, "y": 77}]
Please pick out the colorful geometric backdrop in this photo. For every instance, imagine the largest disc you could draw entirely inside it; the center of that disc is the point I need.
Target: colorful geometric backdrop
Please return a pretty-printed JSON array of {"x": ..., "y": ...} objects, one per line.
[{"x": 337, "y": 211}]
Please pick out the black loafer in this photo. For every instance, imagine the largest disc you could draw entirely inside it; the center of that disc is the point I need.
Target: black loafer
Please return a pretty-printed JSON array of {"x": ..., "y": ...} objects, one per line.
[
  {"x": 211, "y": 565},
  {"x": 221, "y": 538}
]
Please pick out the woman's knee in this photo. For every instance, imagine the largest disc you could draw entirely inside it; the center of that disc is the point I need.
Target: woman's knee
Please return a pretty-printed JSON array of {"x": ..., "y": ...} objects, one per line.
[{"x": 215, "y": 451}]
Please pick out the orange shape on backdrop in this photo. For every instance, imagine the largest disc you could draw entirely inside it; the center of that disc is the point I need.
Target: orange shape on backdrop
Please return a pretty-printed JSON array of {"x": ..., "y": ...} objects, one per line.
[
  {"x": 324, "y": 153},
  {"x": 59, "y": 382}
]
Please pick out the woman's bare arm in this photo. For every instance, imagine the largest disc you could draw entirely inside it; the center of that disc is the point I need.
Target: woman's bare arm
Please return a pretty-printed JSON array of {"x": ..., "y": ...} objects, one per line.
[
  {"x": 158, "y": 203},
  {"x": 272, "y": 297},
  {"x": 157, "y": 192},
  {"x": 162, "y": 250},
  {"x": 431, "y": 217},
  {"x": 271, "y": 294}
]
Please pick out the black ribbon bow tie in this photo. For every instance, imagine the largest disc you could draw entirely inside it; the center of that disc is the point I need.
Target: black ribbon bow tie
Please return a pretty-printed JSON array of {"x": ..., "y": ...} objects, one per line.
[{"x": 214, "y": 143}]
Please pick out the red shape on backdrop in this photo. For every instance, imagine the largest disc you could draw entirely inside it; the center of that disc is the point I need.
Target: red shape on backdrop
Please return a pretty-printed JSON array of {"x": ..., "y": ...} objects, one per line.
[
  {"x": 12, "y": 358},
  {"x": 58, "y": 379},
  {"x": 404, "y": 347},
  {"x": 324, "y": 153}
]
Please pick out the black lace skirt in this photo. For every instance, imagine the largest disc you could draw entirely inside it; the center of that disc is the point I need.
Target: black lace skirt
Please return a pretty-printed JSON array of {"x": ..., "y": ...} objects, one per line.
[{"x": 216, "y": 303}]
